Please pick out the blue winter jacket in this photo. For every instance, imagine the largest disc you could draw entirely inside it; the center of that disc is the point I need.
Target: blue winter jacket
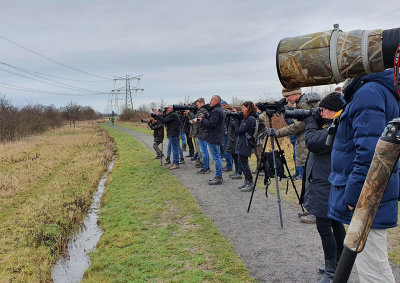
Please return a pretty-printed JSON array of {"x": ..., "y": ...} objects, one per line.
[{"x": 371, "y": 105}]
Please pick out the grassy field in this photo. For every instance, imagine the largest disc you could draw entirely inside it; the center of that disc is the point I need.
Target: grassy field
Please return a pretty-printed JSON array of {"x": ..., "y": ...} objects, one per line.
[
  {"x": 46, "y": 186},
  {"x": 291, "y": 198},
  {"x": 153, "y": 228}
]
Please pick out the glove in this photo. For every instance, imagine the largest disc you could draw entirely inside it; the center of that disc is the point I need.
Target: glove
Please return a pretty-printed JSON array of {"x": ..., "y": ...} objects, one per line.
[{"x": 270, "y": 131}]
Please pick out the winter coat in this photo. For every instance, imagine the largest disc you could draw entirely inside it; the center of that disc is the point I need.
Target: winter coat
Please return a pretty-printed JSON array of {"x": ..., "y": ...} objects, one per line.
[
  {"x": 371, "y": 105},
  {"x": 158, "y": 129},
  {"x": 231, "y": 144},
  {"x": 171, "y": 121},
  {"x": 306, "y": 101},
  {"x": 198, "y": 127},
  {"x": 214, "y": 125},
  {"x": 243, "y": 131},
  {"x": 317, "y": 186}
]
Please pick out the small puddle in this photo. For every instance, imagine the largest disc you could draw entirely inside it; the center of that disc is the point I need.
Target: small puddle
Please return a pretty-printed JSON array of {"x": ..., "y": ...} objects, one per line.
[{"x": 71, "y": 267}]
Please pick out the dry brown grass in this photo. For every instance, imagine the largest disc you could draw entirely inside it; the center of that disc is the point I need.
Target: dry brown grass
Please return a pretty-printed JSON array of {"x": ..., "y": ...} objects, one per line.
[{"x": 46, "y": 184}]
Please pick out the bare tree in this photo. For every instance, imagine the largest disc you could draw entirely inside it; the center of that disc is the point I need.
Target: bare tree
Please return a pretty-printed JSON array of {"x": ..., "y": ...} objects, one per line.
[
  {"x": 72, "y": 112},
  {"x": 236, "y": 101},
  {"x": 161, "y": 103}
]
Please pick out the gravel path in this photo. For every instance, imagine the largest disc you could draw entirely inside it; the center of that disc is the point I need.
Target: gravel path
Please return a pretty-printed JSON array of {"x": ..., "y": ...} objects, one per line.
[{"x": 271, "y": 253}]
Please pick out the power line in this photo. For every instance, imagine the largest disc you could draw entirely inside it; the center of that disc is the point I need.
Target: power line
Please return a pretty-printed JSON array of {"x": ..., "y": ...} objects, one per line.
[
  {"x": 58, "y": 84},
  {"x": 9, "y": 86},
  {"x": 52, "y": 60}
]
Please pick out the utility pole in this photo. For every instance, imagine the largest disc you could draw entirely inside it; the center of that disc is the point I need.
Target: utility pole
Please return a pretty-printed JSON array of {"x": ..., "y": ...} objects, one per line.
[{"x": 128, "y": 101}]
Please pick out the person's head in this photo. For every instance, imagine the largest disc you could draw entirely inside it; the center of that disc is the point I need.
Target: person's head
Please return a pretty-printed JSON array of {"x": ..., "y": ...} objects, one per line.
[
  {"x": 168, "y": 109},
  {"x": 248, "y": 108},
  {"x": 200, "y": 102},
  {"x": 292, "y": 95},
  {"x": 331, "y": 104},
  {"x": 223, "y": 104},
  {"x": 237, "y": 109},
  {"x": 215, "y": 99}
]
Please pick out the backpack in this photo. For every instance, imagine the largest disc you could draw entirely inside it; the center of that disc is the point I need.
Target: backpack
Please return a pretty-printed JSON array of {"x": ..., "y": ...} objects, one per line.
[{"x": 257, "y": 139}]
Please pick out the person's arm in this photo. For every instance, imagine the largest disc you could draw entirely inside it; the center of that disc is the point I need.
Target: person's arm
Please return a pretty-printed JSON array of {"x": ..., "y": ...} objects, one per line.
[
  {"x": 245, "y": 125},
  {"x": 315, "y": 138},
  {"x": 295, "y": 128},
  {"x": 213, "y": 120}
]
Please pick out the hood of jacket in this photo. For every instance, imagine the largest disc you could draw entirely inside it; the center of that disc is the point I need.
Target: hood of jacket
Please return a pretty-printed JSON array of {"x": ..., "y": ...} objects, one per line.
[{"x": 381, "y": 78}]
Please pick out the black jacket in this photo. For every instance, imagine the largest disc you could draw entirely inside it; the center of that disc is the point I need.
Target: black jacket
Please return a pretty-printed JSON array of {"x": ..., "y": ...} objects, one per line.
[
  {"x": 158, "y": 129},
  {"x": 214, "y": 125},
  {"x": 172, "y": 122},
  {"x": 317, "y": 186},
  {"x": 246, "y": 129}
]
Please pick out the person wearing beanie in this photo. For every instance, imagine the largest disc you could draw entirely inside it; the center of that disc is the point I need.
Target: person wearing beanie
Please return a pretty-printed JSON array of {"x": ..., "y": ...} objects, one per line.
[
  {"x": 317, "y": 186},
  {"x": 299, "y": 101}
]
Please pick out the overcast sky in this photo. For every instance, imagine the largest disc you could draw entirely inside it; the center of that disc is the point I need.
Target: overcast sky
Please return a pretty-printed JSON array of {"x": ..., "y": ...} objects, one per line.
[{"x": 182, "y": 48}]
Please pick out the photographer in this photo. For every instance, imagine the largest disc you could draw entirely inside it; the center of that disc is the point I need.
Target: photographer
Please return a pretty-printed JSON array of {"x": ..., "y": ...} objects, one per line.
[
  {"x": 213, "y": 135},
  {"x": 158, "y": 135},
  {"x": 198, "y": 129},
  {"x": 171, "y": 121},
  {"x": 317, "y": 186},
  {"x": 244, "y": 130},
  {"x": 232, "y": 138},
  {"x": 371, "y": 102},
  {"x": 188, "y": 130}
]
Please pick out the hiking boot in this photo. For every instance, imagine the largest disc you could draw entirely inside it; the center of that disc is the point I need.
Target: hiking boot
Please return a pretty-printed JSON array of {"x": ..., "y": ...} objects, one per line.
[
  {"x": 248, "y": 187},
  {"x": 216, "y": 181},
  {"x": 173, "y": 166},
  {"x": 226, "y": 169},
  {"x": 181, "y": 160},
  {"x": 309, "y": 219},
  {"x": 243, "y": 186},
  {"x": 305, "y": 213},
  {"x": 235, "y": 176},
  {"x": 199, "y": 165},
  {"x": 204, "y": 171},
  {"x": 167, "y": 160}
]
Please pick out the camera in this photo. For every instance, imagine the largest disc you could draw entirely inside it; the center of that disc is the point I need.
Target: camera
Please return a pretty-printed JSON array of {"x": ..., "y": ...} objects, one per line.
[
  {"x": 273, "y": 107},
  {"x": 301, "y": 114},
  {"x": 184, "y": 107},
  {"x": 232, "y": 114}
]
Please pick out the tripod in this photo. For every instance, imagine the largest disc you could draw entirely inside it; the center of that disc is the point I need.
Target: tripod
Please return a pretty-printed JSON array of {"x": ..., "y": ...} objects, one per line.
[{"x": 273, "y": 139}]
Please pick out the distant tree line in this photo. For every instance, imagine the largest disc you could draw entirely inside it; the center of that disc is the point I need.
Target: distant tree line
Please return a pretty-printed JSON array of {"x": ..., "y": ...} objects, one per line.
[{"x": 16, "y": 123}]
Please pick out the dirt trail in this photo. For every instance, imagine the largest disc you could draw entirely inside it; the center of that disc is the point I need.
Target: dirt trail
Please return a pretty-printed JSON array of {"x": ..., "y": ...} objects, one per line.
[{"x": 271, "y": 253}]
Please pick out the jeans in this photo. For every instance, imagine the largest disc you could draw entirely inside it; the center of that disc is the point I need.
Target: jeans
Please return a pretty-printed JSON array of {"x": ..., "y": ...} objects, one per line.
[
  {"x": 244, "y": 163},
  {"x": 183, "y": 137},
  {"x": 175, "y": 149},
  {"x": 238, "y": 168},
  {"x": 299, "y": 170},
  {"x": 216, "y": 156},
  {"x": 170, "y": 146},
  {"x": 204, "y": 153},
  {"x": 332, "y": 235},
  {"x": 228, "y": 156}
]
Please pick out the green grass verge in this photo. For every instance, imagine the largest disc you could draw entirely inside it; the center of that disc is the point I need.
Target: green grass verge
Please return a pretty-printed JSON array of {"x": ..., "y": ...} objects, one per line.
[{"x": 153, "y": 228}]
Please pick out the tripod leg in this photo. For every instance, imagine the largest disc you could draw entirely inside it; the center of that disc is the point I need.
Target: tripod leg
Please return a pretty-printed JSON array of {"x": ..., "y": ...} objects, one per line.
[
  {"x": 288, "y": 171},
  {"x": 276, "y": 180},
  {"x": 258, "y": 172}
]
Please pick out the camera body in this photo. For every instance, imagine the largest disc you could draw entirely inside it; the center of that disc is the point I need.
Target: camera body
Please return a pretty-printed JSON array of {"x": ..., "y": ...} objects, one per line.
[
  {"x": 237, "y": 115},
  {"x": 301, "y": 114},
  {"x": 273, "y": 107}
]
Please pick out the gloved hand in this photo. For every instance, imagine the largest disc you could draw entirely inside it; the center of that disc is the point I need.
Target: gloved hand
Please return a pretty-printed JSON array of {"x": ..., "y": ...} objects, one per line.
[{"x": 270, "y": 131}]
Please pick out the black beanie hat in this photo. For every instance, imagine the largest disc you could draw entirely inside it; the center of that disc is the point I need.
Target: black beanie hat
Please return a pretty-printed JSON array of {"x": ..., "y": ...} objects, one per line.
[{"x": 332, "y": 101}]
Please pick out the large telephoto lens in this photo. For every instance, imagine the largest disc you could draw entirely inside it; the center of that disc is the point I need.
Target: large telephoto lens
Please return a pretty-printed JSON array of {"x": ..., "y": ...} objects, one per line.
[{"x": 332, "y": 56}]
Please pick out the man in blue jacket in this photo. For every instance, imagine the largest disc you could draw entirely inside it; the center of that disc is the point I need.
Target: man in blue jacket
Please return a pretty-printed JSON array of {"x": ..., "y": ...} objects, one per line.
[
  {"x": 371, "y": 102},
  {"x": 213, "y": 135}
]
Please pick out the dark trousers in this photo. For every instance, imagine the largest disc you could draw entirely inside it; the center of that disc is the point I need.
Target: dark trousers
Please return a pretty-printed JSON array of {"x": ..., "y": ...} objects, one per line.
[
  {"x": 332, "y": 235},
  {"x": 190, "y": 144},
  {"x": 244, "y": 163},
  {"x": 238, "y": 168}
]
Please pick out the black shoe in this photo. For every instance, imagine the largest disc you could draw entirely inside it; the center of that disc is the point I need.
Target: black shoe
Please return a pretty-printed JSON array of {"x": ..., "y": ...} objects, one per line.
[
  {"x": 189, "y": 155},
  {"x": 193, "y": 158},
  {"x": 181, "y": 160},
  {"x": 167, "y": 160},
  {"x": 204, "y": 171},
  {"x": 216, "y": 181},
  {"x": 200, "y": 165}
]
